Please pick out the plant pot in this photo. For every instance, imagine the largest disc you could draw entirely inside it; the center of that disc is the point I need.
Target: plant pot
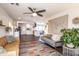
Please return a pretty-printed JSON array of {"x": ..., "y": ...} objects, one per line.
[{"x": 70, "y": 45}]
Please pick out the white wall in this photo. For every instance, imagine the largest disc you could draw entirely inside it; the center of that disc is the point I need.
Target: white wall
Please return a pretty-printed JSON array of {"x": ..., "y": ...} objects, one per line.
[
  {"x": 7, "y": 21},
  {"x": 72, "y": 13},
  {"x": 4, "y": 17},
  {"x": 55, "y": 25}
]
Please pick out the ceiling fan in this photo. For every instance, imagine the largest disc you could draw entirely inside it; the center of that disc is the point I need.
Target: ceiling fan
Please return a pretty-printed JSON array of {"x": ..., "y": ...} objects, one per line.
[{"x": 34, "y": 12}]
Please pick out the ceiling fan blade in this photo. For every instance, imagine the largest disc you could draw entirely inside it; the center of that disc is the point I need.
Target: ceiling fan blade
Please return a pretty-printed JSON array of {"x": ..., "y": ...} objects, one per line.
[
  {"x": 40, "y": 11},
  {"x": 27, "y": 13},
  {"x": 40, "y": 15},
  {"x": 30, "y": 9}
]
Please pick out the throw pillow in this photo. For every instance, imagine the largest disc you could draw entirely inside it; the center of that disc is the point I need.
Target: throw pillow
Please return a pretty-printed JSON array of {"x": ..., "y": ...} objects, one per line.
[{"x": 56, "y": 37}]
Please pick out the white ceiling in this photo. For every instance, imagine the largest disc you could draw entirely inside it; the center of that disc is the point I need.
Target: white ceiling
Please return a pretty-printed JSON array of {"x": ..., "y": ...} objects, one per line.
[{"x": 16, "y": 12}]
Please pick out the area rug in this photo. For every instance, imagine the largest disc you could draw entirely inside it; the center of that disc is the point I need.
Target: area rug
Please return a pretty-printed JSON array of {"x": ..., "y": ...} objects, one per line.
[{"x": 36, "y": 48}]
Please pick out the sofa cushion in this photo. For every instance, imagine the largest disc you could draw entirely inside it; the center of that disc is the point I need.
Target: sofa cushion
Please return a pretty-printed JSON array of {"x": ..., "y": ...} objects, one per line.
[{"x": 3, "y": 41}]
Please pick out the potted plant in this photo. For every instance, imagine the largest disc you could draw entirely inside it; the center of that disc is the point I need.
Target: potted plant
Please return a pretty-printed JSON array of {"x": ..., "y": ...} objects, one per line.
[
  {"x": 8, "y": 30},
  {"x": 9, "y": 36},
  {"x": 70, "y": 37}
]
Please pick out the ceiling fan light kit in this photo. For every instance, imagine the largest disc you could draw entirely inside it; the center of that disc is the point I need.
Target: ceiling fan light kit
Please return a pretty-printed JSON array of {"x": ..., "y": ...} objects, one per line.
[{"x": 34, "y": 12}]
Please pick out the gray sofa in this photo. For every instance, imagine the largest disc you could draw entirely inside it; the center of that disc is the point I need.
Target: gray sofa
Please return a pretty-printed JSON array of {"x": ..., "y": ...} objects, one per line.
[{"x": 53, "y": 40}]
